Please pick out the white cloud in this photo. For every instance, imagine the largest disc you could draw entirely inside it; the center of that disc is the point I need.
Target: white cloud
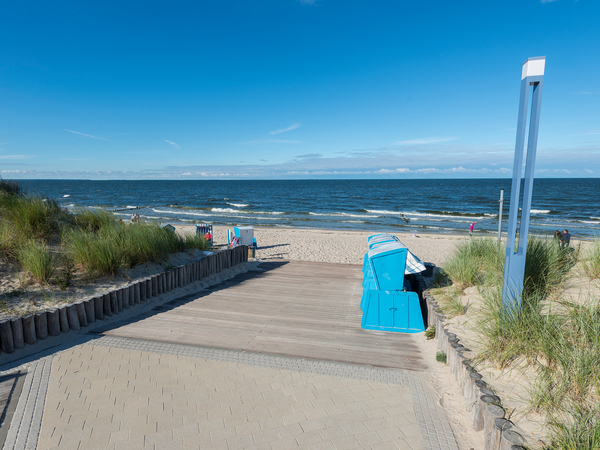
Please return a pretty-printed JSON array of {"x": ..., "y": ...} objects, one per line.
[
  {"x": 548, "y": 1},
  {"x": 176, "y": 146},
  {"x": 309, "y": 155},
  {"x": 426, "y": 141},
  {"x": 87, "y": 135},
  {"x": 268, "y": 141},
  {"x": 14, "y": 157},
  {"x": 283, "y": 130}
]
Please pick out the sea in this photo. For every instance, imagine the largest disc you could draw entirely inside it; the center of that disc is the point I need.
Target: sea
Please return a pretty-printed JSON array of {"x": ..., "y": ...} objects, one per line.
[{"x": 402, "y": 206}]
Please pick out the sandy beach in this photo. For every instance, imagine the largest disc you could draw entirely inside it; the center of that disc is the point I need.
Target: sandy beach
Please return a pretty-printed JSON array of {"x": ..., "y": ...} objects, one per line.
[{"x": 341, "y": 247}]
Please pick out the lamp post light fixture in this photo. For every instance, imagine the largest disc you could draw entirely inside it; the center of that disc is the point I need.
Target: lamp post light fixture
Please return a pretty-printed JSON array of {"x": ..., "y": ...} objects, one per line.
[{"x": 532, "y": 79}]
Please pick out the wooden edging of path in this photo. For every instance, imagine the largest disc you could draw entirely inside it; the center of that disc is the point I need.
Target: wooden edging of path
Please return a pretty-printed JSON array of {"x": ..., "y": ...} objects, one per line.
[
  {"x": 20, "y": 332},
  {"x": 487, "y": 413}
]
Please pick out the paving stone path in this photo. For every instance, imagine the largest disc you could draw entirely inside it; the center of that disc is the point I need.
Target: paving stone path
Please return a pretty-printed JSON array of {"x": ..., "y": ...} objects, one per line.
[{"x": 113, "y": 393}]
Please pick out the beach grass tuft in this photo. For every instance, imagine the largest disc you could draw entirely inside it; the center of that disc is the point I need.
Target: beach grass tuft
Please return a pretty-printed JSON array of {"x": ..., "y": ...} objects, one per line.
[
  {"x": 36, "y": 258},
  {"x": 591, "y": 263}
]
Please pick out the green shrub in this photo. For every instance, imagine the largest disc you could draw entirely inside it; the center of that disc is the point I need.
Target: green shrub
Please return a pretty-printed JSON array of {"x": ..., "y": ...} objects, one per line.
[
  {"x": 441, "y": 357},
  {"x": 430, "y": 332},
  {"x": 37, "y": 260}
]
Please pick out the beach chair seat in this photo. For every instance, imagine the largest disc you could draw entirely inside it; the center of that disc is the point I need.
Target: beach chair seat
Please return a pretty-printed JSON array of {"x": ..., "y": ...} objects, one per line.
[{"x": 395, "y": 311}]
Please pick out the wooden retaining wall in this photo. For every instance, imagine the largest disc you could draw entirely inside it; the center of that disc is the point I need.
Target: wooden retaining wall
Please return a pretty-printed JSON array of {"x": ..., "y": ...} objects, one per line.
[
  {"x": 16, "y": 333},
  {"x": 486, "y": 409}
]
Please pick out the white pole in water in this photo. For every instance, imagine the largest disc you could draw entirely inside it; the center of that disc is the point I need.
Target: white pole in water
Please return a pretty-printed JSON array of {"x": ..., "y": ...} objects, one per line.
[{"x": 500, "y": 215}]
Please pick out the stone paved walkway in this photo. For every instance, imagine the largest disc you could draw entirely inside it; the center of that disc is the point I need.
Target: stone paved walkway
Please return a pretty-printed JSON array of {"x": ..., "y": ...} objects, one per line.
[{"x": 112, "y": 393}]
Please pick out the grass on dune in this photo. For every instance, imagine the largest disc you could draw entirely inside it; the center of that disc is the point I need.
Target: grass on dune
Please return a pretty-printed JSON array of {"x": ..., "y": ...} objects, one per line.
[
  {"x": 480, "y": 262},
  {"x": 559, "y": 339},
  {"x": 91, "y": 238},
  {"x": 591, "y": 263},
  {"x": 116, "y": 246},
  {"x": 36, "y": 258}
]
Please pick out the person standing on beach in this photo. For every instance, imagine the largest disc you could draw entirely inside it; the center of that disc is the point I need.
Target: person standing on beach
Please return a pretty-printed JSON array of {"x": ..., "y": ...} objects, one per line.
[
  {"x": 565, "y": 240},
  {"x": 471, "y": 229}
]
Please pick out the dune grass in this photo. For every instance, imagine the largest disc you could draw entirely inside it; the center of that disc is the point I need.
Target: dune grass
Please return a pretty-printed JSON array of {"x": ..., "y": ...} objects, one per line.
[
  {"x": 480, "y": 262},
  {"x": 91, "y": 238},
  {"x": 116, "y": 246},
  {"x": 591, "y": 263},
  {"x": 35, "y": 257},
  {"x": 475, "y": 262},
  {"x": 560, "y": 340}
]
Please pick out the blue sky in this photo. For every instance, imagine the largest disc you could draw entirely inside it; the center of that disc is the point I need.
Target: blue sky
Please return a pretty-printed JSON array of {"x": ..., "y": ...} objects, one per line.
[{"x": 293, "y": 88}]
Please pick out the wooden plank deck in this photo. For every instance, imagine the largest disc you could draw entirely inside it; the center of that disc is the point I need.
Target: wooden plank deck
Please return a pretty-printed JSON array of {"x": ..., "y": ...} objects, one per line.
[{"x": 293, "y": 308}]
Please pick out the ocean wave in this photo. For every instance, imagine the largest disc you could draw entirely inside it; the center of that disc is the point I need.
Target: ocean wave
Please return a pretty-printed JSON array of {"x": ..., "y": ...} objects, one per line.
[
  {"x": 238, "y": 205},
  {"x": 343, "y": 214},
  {"x": 441, "y": 214},
  {"x": 66, "y": 195},
  {"x": 540, "y": 211}
]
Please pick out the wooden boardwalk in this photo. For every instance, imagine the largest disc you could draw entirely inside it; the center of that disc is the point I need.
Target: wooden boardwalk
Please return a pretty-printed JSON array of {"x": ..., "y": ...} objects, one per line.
[{"x": 293, "y": 308}]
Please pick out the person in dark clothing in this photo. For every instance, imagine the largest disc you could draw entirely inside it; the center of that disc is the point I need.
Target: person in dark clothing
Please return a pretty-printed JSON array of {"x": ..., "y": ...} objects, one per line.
[{"x": 565, "y": 240}]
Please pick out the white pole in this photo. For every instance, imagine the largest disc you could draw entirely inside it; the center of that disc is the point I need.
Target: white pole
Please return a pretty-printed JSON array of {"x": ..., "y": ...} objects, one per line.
[{"x": 500, "y": 215}]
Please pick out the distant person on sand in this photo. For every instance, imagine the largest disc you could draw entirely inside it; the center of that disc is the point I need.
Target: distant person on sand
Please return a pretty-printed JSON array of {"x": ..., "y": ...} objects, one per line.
[
  {"x": 471, "y": 229},
  {"x": 565, "y": 240},
  {"x": 557, "y": 236}
]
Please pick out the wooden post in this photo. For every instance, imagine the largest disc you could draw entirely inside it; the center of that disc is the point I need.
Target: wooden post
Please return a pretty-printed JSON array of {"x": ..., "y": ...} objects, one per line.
[
  {"x": 119, "y": 297},
  {"x": 180, "y": 276},
  {"x": 106, "y": 305},
  {"x": 142, "y": 290},
  {"x": 491, "y": 415},
  {"x": 53, "y": 322},
  {"x": 160, "y": 278},
  {"x": 498, "y": 425},
  {"x": 62, "y": 316},
  {"x": 29, "y": 329},
  {"x": 17, "y": 332},
  {"x": 81, "y": 314},
  {"x": 472, "y": 395},
  {"x": 154, "y": 285},
  {"x": 114, "y": 302},
  {"x": 98, "y": 307},
  {"x": 6, "y": 335},
  {"x": 41, "y": 325},
  {"x": 137, "y": 293},
  {"x": 90, "y": 312},
  {"x": 73, "y": 317},
  {"x": 511, "y": 438},
  {"x": 480, "y": 406},
  {"x": 124, "y": 294}
]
